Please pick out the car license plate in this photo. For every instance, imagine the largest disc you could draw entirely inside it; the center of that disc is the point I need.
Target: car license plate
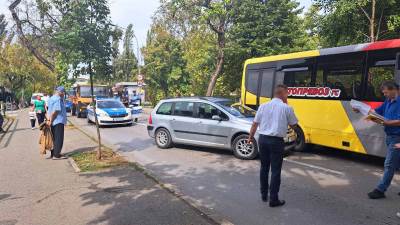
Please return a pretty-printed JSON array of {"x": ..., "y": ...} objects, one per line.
[{"x": 118, "y": 119}]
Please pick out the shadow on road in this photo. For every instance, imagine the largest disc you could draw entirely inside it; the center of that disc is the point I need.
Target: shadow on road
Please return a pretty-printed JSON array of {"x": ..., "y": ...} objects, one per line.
[{"x": 132, "y": 198}]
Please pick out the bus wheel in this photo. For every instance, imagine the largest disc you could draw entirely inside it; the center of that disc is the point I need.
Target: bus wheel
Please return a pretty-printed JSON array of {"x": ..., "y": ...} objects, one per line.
[{"x": 301, "y": 144}]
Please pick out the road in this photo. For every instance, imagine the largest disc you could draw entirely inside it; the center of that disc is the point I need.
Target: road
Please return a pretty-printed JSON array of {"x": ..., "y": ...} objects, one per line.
[{"x": 322, "y": 186}]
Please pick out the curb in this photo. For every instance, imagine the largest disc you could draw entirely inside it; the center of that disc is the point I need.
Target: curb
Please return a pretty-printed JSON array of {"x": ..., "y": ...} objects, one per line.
[
  {"x": 74, "y": 165},
  {"x": 207, "y": 213}
]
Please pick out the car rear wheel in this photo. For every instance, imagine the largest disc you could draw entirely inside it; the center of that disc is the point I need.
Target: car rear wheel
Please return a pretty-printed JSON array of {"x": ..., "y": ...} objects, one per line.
[
  {"x": 242, "y": 150},
  {"x": 163, "y": 138}
]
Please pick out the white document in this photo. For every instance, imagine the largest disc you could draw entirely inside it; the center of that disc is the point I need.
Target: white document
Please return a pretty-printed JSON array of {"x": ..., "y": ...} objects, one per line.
[{"x": 360, "y": 106}]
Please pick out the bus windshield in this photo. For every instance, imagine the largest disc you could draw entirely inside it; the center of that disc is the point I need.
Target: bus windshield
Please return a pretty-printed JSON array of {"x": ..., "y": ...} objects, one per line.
[
  {"x": 97, "y": 91},
  {"x": 237, "y": 111}
]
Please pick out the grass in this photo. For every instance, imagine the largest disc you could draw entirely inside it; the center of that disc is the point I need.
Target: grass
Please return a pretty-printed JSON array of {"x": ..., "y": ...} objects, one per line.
[{"x": 87, "y": 161}]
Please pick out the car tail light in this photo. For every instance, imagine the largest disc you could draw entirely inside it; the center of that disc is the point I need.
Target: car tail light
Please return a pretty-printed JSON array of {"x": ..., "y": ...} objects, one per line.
[{"x": 150, "y": 120}]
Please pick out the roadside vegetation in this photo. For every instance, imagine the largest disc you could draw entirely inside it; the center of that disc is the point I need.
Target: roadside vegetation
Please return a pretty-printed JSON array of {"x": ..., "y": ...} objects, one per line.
[
  {"x": 87, "y": 161},
  {"x": 194, "y": 47}
]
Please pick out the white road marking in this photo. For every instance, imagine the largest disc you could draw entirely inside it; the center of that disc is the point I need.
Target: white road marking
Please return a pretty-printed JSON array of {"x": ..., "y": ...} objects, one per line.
[{"x": 316, "y": 167}]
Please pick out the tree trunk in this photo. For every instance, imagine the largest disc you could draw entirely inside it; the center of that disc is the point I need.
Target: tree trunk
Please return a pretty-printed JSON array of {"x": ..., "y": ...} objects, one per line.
[
  {"x": 372, "y": 22},
  {"x": 94, "y": 111},
  {"x": 219, "y": 64},
  {"x": 25, "y": 40}
]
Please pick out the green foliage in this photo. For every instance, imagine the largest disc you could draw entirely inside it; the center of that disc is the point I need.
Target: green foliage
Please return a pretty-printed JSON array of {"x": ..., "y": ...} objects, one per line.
[
  {"x": 85, "y": 34},
  {"x": 165, "y": 70},
  {"x": 224, "y": 31},
  {"x": 261, "y": 29},
  {"x": 345, "y": 22},
  {"x": 3, "y": 26},
  {"x": 125, "y": 64},
  {"x": 21, "y": 71},
  {"x": 199, "y": 54}
]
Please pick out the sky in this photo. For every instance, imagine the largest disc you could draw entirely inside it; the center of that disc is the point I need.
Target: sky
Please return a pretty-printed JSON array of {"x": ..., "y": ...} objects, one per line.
[{"x": 137, "y": 12}]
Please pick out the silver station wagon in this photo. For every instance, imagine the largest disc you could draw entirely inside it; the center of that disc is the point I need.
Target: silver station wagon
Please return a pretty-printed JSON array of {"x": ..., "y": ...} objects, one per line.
[{"x": 204, "y": 121}]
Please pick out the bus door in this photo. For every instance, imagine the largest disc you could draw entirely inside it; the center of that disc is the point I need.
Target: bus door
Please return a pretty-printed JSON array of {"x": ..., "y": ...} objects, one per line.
[{"x": 259, "y": 83}]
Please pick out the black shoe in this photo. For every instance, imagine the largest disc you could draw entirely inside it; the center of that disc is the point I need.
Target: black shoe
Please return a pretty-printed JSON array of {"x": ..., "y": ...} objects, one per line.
[
  {"x": 376, "y": 194},
  {"x": 264, "y": 198},
  {"x": 277, "y": 203}
]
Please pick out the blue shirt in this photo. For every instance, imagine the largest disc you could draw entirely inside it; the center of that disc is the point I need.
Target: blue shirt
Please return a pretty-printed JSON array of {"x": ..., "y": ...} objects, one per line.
[
  {"x": 57, "y": 104},
  {"x": 391, "y": 111}
]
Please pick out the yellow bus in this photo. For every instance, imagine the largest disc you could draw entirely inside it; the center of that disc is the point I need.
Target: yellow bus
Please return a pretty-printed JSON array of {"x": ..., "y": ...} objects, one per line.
[{"x": 321, "y": 84}]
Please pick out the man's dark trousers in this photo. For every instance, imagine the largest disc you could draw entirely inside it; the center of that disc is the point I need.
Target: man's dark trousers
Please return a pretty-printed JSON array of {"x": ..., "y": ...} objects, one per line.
[
  {"x": 271, "y": 156},
  {"x": 58, "y": 139}
]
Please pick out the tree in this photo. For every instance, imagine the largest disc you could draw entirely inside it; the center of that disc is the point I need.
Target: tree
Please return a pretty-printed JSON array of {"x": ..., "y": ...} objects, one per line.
[
  {"x": 216, "y": 14},
  {"x": 165, "y": 70},
  {"x": 127, "y": 61},
  {"x": 199, "y": 53},
  {"x": 3, "y": 26},
  {"x": 37, "y": 26},
  {"x": 21, "y": 72},
  {"x": 86, "y": 32},
  {"x": 348, "y": 22},
  {"x": 116, "y": 38},
  {"x": 262, "y": 28}
]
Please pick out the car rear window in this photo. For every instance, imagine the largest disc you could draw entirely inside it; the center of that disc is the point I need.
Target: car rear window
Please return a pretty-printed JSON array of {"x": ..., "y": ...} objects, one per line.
[{"x": 165, "y": 109}]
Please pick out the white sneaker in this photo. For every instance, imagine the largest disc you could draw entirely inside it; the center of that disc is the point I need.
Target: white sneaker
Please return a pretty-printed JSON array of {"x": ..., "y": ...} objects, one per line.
[
  {"x": 33, "y": 128},
  {"x": 398, "y": 214}
]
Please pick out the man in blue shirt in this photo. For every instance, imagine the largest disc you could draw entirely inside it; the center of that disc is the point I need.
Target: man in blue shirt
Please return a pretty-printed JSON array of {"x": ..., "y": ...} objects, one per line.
[
  {"x": 390, "y": 109},
  {"x": 57, "y": 119}
]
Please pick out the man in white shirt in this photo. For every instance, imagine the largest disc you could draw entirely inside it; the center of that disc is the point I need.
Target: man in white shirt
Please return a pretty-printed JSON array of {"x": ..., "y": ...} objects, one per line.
[{"x": 273, "y": 119}]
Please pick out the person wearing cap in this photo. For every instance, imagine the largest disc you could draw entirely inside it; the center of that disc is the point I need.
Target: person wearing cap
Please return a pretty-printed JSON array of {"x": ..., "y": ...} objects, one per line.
[{"x": 57, "y": 119}]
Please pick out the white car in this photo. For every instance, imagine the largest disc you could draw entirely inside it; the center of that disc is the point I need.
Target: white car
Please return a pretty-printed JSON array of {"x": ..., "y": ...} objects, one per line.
[
  {"x": 110, "y": 112},
  {"x": 136, "y": 112}
]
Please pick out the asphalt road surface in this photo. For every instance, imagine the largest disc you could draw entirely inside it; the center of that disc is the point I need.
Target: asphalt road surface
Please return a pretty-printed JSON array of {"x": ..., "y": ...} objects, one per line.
[{"x": 323, "y": 186}]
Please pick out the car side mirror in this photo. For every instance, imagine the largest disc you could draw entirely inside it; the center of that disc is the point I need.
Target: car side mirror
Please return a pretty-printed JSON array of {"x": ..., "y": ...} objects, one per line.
[{"x": 216, "y": 117}]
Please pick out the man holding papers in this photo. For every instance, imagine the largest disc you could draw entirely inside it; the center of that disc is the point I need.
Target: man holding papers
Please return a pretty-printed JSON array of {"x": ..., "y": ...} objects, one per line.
[{"x": 388, "y": 114}]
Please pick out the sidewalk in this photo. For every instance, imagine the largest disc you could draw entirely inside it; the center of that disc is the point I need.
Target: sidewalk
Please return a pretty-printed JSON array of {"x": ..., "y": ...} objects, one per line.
[{"x": 34, "y": 190}]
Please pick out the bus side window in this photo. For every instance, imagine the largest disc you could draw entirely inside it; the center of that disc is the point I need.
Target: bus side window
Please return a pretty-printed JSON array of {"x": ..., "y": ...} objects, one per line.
[
  {"x": 343, "y": 72},
  {"x": 381, "y": 67},
  {"x": 267, "y": 83},
  {"x": 252, "y": 81},
  {"x": 297, "y": 77}
]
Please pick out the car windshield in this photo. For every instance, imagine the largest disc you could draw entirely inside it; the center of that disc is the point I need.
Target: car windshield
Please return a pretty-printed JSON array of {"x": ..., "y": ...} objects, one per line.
[
  {"x": 109, "y": 104},
  {"x": 237, "y": 111}
]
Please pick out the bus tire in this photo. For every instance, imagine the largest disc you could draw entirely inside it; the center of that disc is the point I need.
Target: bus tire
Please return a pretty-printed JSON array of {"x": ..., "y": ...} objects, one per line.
[{"x": 301, "y": 144}]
